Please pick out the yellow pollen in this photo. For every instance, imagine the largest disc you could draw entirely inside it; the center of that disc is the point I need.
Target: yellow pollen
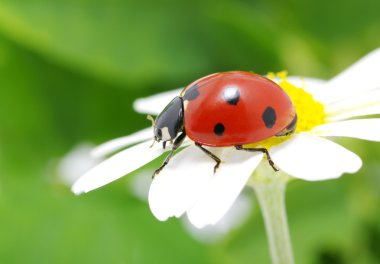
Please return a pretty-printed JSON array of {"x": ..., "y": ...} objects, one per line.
[{"x": 310, "y": 113}]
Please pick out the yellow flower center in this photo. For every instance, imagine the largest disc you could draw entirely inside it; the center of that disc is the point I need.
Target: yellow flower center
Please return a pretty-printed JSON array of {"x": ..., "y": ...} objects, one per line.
[{"x": 310, "y": 113}]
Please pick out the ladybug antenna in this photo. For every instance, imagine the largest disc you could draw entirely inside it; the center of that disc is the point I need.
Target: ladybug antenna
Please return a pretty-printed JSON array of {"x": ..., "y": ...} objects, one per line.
[
  {"x": 154, "y": 141},
  {"x": 149, "y": 117}
]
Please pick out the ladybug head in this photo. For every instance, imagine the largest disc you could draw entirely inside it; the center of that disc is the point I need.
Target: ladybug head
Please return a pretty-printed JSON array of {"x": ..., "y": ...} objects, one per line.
[{"x": 170, "y": 121}]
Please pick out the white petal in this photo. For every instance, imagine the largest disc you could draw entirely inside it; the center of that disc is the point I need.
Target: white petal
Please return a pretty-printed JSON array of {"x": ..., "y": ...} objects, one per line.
[
  {"x": 367, "y": 103},
  {"x": 154, "y": 104},
  {"x": 224, "y": 187},
  {"x": 233, "y": 219},
  {"x": 355, "y": 112},
  {"x": 179, "y": 184},
  {"x": 116, "y": 167},
  {"x": 76, "y": 162},
  {"x": 368, "y": 129},
  {"x": 361, "y": 76},
  {"x": 311, "y": 158},
  {"x": 122, "y": 142},
  {"x": 140, "y": 184}
]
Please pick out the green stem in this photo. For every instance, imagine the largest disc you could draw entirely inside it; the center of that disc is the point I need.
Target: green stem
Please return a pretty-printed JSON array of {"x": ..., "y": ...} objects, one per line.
[{"x": 270, "y": 192}]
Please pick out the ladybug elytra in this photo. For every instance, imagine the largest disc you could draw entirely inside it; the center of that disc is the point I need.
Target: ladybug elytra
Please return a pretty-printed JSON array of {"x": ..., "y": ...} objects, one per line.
[{"x": 226, "y": 109}]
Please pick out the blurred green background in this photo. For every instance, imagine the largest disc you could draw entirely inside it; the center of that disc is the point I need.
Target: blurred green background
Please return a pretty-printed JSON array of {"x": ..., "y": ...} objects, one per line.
[{"x": 69, "y": 72}]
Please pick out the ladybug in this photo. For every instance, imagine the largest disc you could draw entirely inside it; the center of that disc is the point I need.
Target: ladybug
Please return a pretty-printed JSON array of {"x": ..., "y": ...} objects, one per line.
[{"x": 226, "y": 109}]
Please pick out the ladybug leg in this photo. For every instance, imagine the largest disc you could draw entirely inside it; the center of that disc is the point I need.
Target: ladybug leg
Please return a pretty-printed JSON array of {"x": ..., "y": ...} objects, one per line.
[
  {"x": 211, "y": 155},
  {"x": 263, "y": 150},
  {"x": 177, "y": 143}
]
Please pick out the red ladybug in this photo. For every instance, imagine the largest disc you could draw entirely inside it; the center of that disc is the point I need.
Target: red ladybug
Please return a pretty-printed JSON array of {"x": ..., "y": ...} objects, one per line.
[{"x": 226, "y": 109}]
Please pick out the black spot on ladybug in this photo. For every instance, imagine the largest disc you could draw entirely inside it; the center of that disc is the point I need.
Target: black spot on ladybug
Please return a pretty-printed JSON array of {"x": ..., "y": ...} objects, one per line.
[
  {"x": 231, "y": 95},
  {"x": 192, "y": 93},
  {"x": 269, "y": 117},
  {"x": 219, "y": 129}
]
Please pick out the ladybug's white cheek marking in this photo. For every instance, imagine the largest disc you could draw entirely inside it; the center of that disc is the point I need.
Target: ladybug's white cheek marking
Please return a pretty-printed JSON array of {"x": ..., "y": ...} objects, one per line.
[{"x": 165, "y": 134}]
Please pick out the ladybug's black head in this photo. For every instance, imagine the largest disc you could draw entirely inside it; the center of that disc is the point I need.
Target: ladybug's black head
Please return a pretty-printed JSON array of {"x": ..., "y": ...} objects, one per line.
[{"x": 170, "y": 121}]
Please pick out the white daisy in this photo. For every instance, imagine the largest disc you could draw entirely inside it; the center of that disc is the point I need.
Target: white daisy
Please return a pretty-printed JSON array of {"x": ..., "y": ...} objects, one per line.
[
  {"x": 188, "y": 184},
  {"x": 76, "y": 162}
]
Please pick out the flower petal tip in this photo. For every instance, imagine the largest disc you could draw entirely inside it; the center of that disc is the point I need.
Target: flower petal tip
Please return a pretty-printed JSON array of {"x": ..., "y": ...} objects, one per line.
[
  {"x": 314, "y": 159},
  {"x": 356, "y": 164},
  {"x": 199, "y": 222},
  {"x": 160, "y": 213},
  {"x": 160, "y": 217},
  {"x": 77, "y": 190},
  {"x": 139, "y": 106}
]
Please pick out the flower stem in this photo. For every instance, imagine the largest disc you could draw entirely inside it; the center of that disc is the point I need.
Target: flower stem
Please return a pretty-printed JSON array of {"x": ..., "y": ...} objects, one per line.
[{"x": 271, "y": 196}]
